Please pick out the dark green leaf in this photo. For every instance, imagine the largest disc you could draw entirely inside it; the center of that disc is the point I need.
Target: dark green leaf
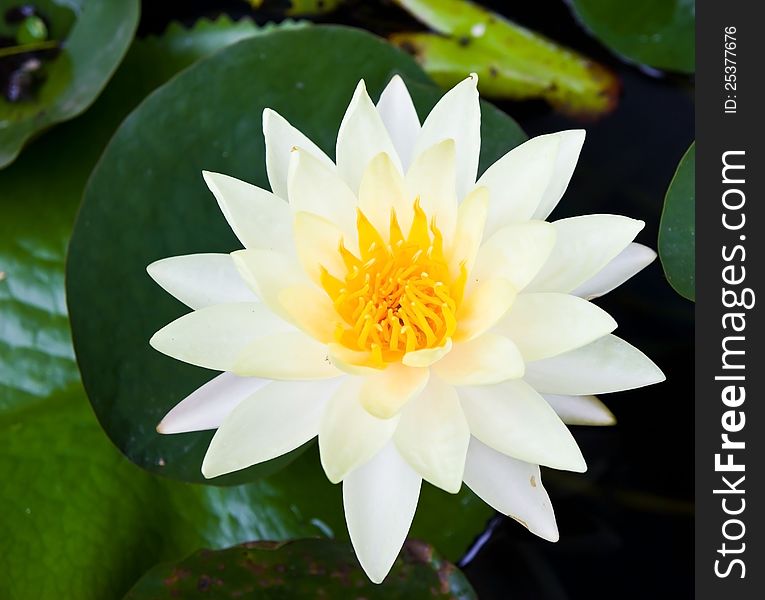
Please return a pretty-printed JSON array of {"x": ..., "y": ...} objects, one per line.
[
  {"x": 677, "y": 233},
  {"x": 657, "y": 33},
  {"x": 511, "y": 61},
  {"x": 302, "y": 569},
  {"x": 92, "y": 47},
  {"x": 80, "y": 521}
]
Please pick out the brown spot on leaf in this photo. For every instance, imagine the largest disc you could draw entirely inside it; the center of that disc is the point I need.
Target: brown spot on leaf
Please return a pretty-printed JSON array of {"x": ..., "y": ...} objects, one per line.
[
  {"x": 445, "y": 571},
  {"x": 176, "y": 576}
]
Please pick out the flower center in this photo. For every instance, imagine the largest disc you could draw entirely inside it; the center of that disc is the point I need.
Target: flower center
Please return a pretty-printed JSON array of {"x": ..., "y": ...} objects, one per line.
[{"x": 399, "y": 296}]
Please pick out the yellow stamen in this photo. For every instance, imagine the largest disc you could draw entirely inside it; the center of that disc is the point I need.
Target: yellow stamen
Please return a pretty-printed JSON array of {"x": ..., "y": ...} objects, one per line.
[{"x": 396, "y": 296}]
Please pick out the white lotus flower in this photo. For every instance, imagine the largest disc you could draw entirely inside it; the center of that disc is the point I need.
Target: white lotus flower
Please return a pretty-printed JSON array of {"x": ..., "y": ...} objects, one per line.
[{"x": 422, "y": 324}]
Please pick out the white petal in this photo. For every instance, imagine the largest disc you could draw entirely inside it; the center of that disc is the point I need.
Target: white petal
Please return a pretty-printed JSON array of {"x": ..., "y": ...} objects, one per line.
[
  {"x": 292, "y": 355},
  {"x": 511, "y": 487},
  {"x": 259, "y": 218},
  {"x": 380, "y": 498},
  {"x": 269, "y": 273},
  {"x": 361, "y": 137},
  {"x": 216, "y": 337},
  {"x": 515, "y": 420},
  {"x": 457, "y": 116},
  {"x": 608, "y": 364},
  {"x": 583, "y": 246},
  {"x": 200, "y": 280},
  {"x": 471, "y": 219},
  {"x": 580, "y": 410},
  {"x": 353, "y": 362},
  {"x": 630, "y": 261},
  {"x": 385, "y": 392},
  {"x": 281, "y": 138},
  {"x": 400, "y": 118},
  {"x": 485, "y": 360},
  {"x": 427, "y": 356},
  {"x": 515, "y": 253},
  {"x": 517, "y": 181},
  {"x": 431, "y": 180},
  {"x": 317, "y": 189},
  {"x": 276, "y": 419},
  {"x": 546, "y": 324},
  {"x": 348, "y": 435},
  {"x": 382, "y": 189},
  {"x": 311, "y": 310},
  {"x": 433, "y": 435},
  {"x": 483, "y": 308},
  {"x": 318, "y": 245},
  {"x": 571, "y": 143},
  {"x": 208, "y": 406}
]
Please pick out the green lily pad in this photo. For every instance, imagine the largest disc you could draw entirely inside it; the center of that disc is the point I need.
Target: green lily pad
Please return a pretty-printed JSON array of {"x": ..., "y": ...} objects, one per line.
[
  {"x": 511, "y": 61},
  {"x": 302, "y": 569},
  {"x": 657, "y": 33},
  {"x": 677, "y": 232},
  {"x": 94, "y": 37},
  {"x": 146, "y": 200},
  {"x": 81, "y": 521}
]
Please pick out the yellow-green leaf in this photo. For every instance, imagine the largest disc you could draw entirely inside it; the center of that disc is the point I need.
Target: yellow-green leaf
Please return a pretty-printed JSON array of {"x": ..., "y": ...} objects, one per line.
[{"x": 511, "y": 61}]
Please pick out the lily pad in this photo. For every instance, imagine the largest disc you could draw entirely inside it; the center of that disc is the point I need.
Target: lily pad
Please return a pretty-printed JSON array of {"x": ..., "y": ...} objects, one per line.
[
  {"x": 81, "y": 521},
  {"x": 677, "y": 232},
  {"x": 657, "y": 33},
  {"x": 512, "y": 62},
  {"x": 92, "y": 47},
  {"x": 302, "y": 569},
  {"x": 146, "y": 200}
]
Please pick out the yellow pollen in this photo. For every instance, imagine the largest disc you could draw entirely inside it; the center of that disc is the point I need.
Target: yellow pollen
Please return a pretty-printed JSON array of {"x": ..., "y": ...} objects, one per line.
[{"x": 397, "y": 296}]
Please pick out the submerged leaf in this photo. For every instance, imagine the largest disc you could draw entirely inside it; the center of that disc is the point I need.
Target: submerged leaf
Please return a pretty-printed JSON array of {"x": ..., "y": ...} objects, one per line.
[
  {"x": 302, "y": 569},
  {"x": 511, "y": 61},
  {"x": 677, "y": 232}
]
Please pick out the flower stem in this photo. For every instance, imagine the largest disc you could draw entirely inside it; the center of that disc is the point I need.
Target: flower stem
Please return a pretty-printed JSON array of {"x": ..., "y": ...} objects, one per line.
[{"x": 23, "y": 48}]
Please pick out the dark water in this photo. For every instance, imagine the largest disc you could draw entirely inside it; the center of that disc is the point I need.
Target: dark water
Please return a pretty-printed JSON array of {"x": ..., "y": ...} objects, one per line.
[{"x": 627, "y": 525}]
